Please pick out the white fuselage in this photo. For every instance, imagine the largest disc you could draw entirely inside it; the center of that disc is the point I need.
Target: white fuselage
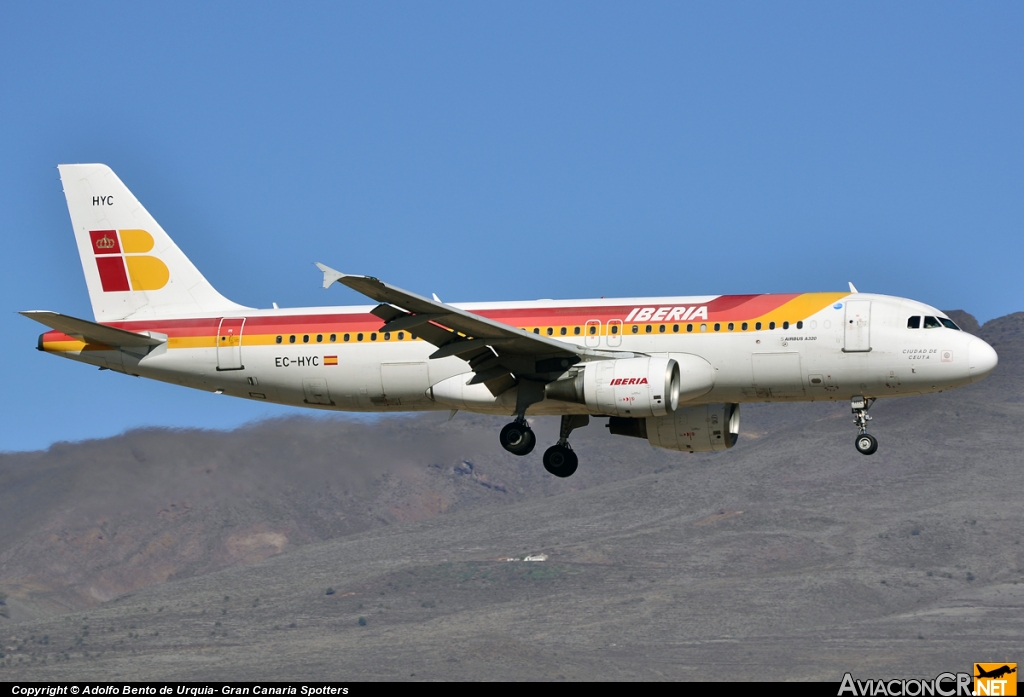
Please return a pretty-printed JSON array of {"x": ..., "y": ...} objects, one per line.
[{"x": 825, "y": 358}]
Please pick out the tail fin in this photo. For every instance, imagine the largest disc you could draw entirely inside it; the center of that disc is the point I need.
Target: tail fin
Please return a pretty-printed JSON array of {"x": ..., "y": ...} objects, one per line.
[{"x": 132, "y": 268}]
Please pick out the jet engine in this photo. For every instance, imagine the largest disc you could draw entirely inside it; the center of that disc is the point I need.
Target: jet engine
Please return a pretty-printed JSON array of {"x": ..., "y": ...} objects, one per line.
[
  {"x": 698, "y": 429},
  {"x": 633, "y": 387}
]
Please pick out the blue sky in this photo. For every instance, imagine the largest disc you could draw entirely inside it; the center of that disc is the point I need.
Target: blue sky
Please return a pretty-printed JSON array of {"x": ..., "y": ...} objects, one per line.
[{"x": 492, "y": 151}]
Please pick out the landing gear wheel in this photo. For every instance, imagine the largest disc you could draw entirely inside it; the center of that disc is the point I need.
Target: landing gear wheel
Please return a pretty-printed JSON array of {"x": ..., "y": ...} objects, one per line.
[
  {"x": 560, "y": 461},
  {"x": 518, "y": 438},
  {"x": 866, "y": 444}
]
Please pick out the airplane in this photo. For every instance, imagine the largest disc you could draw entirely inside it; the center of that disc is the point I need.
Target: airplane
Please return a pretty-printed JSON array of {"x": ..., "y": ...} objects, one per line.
[
  {"x": 672, "y": 370},
  {"x": 995, "y": 672}
]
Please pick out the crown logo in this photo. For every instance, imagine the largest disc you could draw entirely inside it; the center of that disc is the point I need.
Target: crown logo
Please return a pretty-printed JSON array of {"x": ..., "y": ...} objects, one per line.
[{"x": 105, "y": 243}]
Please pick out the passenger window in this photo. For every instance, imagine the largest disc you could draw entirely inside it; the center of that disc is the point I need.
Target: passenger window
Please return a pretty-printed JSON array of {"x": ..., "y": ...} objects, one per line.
[
  {"x": 278, "y": 338},
  {"x": 675, "y": 328},
  {"x": 319, "y": 338},
  {"x": 563, "y": 331},
  {"x": 931, "y": 323},
  {"x": 661, "y": 328},
  {"x": 576, "y": 331},
  {"x": 800, "y": 324},
  {"x": 635, "y": 329},
  {"x": 305, "y": 338},
  {"x": 689, "y": 327},
  {"x": 359, "y": 336},
  {"x": 757, "y": 326},
  {"x": 771, "y": 325},
  {"x": 550, "y": 331},
  {"x": 785, "y": 325},
  {"x": 731, "y": 326},
  {"x": 401, "y": 336},
  {"x": 536, "y": 330},
  {"x": 648, "y": 328},
  {"x": 717, "y": 326},
  {"x": 743, "y": 326},
  {"x": 291, "y": 339},
  {"x": 387, "y": 336},
  {"x": 703, "y": 327},
  {"x": 914, "y": 323},
  {"x": 346, "y": 337},
  {"x": 334, "y": 337},
  {"x": 373, "y": 336},
  {"x": 948, "y": 323},
  {"x": 593, "y": 329}
]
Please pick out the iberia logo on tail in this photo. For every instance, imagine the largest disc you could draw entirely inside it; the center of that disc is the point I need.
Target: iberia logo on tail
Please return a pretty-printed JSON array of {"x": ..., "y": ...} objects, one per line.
[{"x": 122, "y": 261}]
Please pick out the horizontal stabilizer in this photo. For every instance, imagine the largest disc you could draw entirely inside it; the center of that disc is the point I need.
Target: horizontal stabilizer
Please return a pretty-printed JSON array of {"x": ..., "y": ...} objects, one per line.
[{"x": 91, "y": 332}]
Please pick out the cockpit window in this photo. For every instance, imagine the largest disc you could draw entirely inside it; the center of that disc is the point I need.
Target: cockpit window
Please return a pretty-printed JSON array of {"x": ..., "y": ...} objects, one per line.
[
  {"x": 914, "y": 323},
  {"x": 947, "y": 322},
  {"x": 931, "y": 323}
]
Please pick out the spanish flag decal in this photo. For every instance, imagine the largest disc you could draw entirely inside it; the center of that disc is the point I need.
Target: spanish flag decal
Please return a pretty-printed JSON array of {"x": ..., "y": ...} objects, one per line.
[{"x": 330, "y": 360}]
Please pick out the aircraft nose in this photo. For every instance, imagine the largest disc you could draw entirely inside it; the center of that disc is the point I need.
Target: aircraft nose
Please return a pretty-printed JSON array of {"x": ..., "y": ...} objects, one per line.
[{"x": 981, "y": 358}]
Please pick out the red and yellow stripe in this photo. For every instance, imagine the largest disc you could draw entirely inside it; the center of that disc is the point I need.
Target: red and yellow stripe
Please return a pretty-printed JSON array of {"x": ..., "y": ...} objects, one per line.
[{"x": 307, "y": 329}]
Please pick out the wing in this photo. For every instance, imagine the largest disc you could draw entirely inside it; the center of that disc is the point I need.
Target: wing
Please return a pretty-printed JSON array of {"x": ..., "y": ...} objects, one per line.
[
  {"x": 91, "y": 332},
  {"x": 498, "y": 354}
]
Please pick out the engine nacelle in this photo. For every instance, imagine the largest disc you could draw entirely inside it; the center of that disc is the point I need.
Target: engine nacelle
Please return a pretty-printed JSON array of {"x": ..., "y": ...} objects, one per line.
[
  {"x": 697, "y": 429},
  {"x": 632, "y": 387}
]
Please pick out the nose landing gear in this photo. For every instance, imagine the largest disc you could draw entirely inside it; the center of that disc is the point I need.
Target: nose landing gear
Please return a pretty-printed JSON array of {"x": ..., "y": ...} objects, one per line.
[{"x": 866, "y": 444}]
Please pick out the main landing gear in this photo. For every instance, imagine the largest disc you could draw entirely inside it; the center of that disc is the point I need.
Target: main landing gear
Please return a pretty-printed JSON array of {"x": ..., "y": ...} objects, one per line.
[
  {"x": 560, "y": 460},
  {"x": 866, "y": 444},
  {"x": 518, "y": 438}
]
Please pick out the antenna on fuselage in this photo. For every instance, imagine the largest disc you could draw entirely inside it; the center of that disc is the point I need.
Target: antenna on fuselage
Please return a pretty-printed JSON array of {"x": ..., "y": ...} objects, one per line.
[{"x": 852, "y": 288}]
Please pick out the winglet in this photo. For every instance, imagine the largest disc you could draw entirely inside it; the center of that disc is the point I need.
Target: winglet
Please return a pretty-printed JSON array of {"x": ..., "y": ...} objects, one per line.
[
  {"x": 330, "y": 275},
  {"x": 852, "y": 288}
]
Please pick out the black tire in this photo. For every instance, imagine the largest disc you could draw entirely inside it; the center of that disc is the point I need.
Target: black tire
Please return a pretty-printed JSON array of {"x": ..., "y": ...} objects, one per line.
[
  {"x": 517, "y": 438},
  {"x": 560, "y": 461},
  {"x": 531, "y": 443},
  {"x": 866, "y": 444}
]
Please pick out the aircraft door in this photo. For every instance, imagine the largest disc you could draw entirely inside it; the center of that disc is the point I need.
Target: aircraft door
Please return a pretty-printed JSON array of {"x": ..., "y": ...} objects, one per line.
[
  {"x": 229, "y": 343},
  {"x": 858, "y": 326},
  {"x": 593, "y": 333}
]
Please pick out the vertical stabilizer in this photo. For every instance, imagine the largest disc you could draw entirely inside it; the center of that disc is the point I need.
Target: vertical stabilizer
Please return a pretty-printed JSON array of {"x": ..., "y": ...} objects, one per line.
[{"x": 132, "y": 268}]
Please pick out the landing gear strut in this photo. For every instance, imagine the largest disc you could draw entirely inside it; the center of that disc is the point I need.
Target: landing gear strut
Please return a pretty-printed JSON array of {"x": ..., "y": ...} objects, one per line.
[
  {"x": 518, "y": 438},
  {"x": 866, "y": 443},
  {"x": 559, "y": 459}
]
